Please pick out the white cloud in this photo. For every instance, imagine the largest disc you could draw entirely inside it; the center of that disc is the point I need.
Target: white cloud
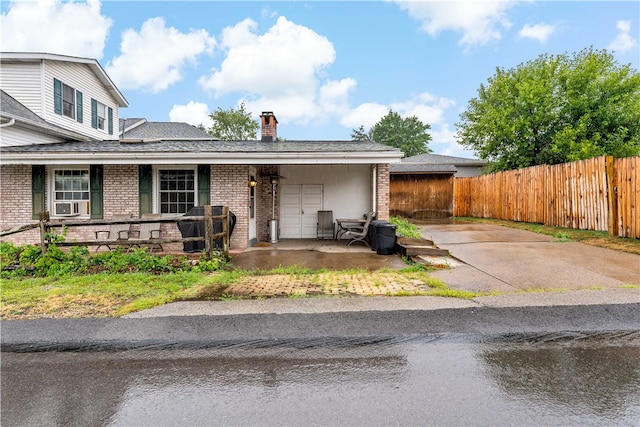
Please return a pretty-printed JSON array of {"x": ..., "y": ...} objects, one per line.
[
  {"x": 443, "y": 141},
  {"x": 540, "y": 32},
  {"x": 428, "y": 108},
  {"x": 281, "y": 70},
  {"x": 480, "y": 22},
  {"x": 154, "y": 58},
  {"x": 367, "y": 115},
  {"x": 623, "y": 41},
  {"x": 194, "y": 113},
  {"x": 51, "y": 26}
]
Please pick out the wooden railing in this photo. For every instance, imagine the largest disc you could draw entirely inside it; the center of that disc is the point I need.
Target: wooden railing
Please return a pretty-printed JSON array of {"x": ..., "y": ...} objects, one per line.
[
  {"x": 600, "y": 194},
  {"x": 45, "y": 225}
]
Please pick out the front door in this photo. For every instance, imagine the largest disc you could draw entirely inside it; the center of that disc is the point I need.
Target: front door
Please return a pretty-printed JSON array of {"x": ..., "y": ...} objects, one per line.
[{"x": 299, "y": 208}]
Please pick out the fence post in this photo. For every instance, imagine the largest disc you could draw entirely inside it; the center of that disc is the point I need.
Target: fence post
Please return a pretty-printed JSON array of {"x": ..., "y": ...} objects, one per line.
[
  {"x": 612, "y": 217},
  {"x": 225, "y": 230},
  {"x": 43, "y": 217},
  {"x": 208, "y": 231}
]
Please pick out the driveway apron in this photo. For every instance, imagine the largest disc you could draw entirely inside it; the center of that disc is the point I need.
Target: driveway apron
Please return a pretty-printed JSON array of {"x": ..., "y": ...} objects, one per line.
[{"x": 494, "y": 258}]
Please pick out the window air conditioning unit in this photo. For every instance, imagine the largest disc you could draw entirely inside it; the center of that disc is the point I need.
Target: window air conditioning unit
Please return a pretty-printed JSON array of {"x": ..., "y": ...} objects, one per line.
[{"x": 66, "y": 209}]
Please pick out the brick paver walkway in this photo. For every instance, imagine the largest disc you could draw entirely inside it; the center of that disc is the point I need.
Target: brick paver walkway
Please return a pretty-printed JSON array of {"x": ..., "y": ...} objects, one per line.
[{"x": 366, "y": 284}]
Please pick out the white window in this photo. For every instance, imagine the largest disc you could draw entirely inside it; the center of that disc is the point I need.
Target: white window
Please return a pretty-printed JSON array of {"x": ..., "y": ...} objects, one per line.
[
  {"x": 176, "y": 189},
  {"x": 70, "y": 195},
  {"x": 102, "y": 115},
  {"x": 68, "y": 101}
]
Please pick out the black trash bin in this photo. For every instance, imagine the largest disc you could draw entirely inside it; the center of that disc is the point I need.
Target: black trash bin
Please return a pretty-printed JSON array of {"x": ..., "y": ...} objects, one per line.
[
  {"x": 196, "y": 228},
  {"x": 385, "y": 237},
  {"x": 371, "y": 235}
]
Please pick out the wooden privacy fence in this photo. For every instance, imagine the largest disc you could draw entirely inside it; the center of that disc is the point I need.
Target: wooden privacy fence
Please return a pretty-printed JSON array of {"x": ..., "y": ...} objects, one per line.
[
  {"x": 600, "y": 194},
  {"x": 209, "y": 238}
]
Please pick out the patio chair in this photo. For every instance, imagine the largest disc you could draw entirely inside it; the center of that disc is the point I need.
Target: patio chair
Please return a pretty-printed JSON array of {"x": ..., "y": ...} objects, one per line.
[
  {"x": 360, "y": 234},
  {"x": 149, "y": 231},
  {"x": 117, "y": 234},
  {"x": 325, "y": 225}
]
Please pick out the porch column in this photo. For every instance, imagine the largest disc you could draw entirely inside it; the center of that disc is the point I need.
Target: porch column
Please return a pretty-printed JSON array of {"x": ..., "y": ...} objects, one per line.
[{"x": 382, "y": 190}]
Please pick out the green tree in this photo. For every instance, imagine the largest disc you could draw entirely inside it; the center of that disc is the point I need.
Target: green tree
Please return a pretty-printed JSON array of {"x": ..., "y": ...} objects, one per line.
[
  {"x": 555, "y": 109},
  {"x": 409, "y": 134},
  {"x": 361, "y": 134},
  {"x": 233, "y": 124}
]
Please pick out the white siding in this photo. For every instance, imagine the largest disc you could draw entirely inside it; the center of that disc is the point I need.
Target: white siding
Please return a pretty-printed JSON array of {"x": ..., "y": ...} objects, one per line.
[
  {"x": 23, "y": 81},
  {"x": 79, "y": 77},
  {"x": 347, "y": 188},
  {"x": 12, "y": 136}
]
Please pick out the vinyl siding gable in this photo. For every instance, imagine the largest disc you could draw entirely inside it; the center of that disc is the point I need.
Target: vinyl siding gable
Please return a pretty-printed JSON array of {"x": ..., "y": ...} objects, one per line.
[
  {"x": 83, "y": 80},
  {"x": 23, "y": 81}
]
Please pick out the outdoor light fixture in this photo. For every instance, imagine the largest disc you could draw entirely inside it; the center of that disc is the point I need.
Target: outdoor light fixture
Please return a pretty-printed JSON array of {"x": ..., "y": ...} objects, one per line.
[
  {"x": 253, "y": 183},
  {"x": 274, "y": 179}
]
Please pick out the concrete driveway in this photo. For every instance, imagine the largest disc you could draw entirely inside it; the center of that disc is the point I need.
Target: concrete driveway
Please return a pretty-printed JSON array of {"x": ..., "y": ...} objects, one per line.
[{"x": 493, "y": 258}]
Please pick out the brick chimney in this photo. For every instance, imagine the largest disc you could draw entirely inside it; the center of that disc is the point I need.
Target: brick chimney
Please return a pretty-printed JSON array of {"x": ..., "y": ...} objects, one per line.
[{"x": 269, "y": 126}]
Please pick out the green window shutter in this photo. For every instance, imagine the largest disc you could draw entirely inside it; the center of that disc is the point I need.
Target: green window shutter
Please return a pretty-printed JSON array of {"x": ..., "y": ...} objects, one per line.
[
  {"x": 79, "y": 106},
  {"x": 38, "y": 190},
  {"x": 96, "y": 197},
  {"x": 110, "y": 119},
  {"x": 94, "y": 113},
  {"x": 145, "y": 188},
  {"x": 204, "y": 185},
  {"x": 57, "y": 96}
]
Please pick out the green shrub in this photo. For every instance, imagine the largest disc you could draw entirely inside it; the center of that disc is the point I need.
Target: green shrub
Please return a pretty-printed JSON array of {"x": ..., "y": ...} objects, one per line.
[
  {"x": 9, "y": 254},
  {"x": 405, "y": 228},
  {"x": 28, "y": 260}
]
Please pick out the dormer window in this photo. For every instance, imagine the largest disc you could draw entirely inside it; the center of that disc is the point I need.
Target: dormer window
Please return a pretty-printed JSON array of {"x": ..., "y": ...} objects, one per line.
[
  {"x": 68, "y": 101},
  {"x": 101, "y": 116},
  {"x": 101, "y": 111}
]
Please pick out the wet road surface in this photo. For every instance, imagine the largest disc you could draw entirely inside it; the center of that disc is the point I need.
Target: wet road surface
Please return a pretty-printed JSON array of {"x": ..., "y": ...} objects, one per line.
[
  {"x": 458, "y": 379},
  {"x": 561, "y": 365}
]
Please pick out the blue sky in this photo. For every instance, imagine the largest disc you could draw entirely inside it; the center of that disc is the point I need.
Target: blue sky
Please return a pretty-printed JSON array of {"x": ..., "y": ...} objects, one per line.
[{"x": 323, "y": 68}]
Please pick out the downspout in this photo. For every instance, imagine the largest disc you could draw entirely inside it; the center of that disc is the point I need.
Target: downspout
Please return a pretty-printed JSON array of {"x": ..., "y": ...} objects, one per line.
[
  {"x": 374, "y": 201},
  {"x": 9, "y": 123}
]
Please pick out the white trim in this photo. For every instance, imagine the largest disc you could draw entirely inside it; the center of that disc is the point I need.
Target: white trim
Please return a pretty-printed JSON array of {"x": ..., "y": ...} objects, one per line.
[
  {"x": 51, "y": 188},
  {"x": 155, "y": 185}
]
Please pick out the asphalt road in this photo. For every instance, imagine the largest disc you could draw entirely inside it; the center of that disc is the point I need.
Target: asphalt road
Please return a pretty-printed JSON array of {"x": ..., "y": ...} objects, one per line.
[{"x": 220, "y": 331}]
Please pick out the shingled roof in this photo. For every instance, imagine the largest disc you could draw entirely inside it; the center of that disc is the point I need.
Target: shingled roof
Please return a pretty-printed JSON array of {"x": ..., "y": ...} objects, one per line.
[
  {"x": 142, "y": 129},
  {"x": 10, "y": 108},
  {"x": 204, "y": 151},
  {"x": 432, "y": 163}
]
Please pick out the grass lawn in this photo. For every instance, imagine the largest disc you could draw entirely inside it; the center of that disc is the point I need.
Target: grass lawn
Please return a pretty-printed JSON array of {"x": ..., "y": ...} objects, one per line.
[{"x": 114, "y": 295}]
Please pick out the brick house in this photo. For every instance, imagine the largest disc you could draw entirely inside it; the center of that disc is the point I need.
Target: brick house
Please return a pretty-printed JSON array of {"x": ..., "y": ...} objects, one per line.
[{"x": 65, "y": 149}]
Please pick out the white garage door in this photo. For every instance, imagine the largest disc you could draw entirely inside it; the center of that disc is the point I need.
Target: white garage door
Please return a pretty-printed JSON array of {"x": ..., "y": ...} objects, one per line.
[{"x": 299, "y": 208}]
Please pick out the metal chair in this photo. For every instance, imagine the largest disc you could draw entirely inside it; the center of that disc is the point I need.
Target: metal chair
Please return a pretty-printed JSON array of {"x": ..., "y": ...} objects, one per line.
[
  {"x": 325, "y": 225},
  {"x": 149, "y": 231},
  {"x": 117, "y": 234},
  {"x": 360, "y": 234}
]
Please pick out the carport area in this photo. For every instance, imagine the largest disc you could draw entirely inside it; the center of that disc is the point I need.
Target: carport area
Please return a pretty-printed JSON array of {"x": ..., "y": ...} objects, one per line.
[{"x": 493, "y": 258}]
